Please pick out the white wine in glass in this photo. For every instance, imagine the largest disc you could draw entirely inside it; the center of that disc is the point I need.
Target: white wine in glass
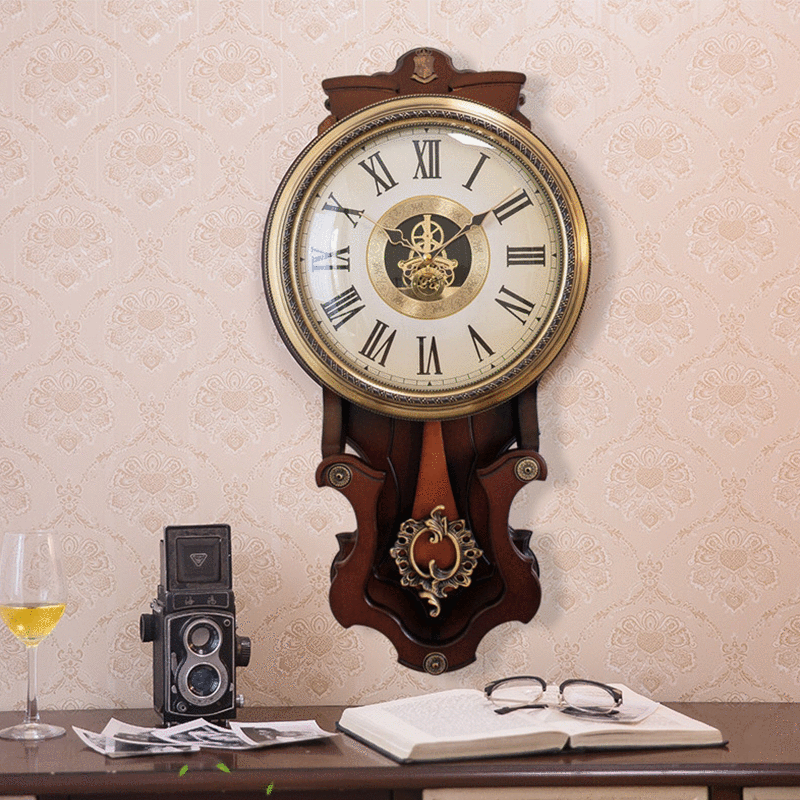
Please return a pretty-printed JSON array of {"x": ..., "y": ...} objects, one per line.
[{"x": 33, "y": 596}]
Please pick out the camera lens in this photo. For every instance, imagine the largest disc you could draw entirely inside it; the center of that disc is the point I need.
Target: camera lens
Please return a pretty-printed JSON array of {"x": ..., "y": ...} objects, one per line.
[
  {"x": 203, "y": 680},
  {"x": 203, "y": 637}
]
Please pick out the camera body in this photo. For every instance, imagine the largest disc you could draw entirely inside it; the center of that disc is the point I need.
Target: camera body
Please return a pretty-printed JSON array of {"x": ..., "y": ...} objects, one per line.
[{"x": 193, "y": 627}]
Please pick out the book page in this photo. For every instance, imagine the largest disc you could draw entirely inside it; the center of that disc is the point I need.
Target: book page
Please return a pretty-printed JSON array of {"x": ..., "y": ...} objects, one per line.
[
  {"x": 663, "y": 728},
  {"x": 457, "y": 723},
  {"x": 455, "y": 714}
]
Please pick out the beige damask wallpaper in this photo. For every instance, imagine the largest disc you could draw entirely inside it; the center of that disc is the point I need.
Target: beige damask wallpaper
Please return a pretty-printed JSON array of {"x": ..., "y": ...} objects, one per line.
[{"x": 142, "y": 382}]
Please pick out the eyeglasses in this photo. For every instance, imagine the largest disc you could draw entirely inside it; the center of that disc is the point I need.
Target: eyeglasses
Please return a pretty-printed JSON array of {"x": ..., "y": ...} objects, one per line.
[{"x": 577, "y": 696}]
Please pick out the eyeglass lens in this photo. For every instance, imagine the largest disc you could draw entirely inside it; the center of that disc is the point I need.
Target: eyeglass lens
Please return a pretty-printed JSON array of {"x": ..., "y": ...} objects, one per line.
[
  {"x": 580, "y": 695},
  {"x": 588, "y": 697},
  {"x": 518, "y": 692}
]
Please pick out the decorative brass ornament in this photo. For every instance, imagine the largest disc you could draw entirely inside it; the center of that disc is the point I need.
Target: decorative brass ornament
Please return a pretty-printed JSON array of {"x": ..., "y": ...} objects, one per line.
[
  {"x": 419, "y": 541},
  {"x": 423, "y": 67}
]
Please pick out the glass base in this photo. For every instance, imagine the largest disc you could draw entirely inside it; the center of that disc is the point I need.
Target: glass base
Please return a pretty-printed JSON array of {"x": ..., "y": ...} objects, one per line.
[{"x": 32, "y": 732}]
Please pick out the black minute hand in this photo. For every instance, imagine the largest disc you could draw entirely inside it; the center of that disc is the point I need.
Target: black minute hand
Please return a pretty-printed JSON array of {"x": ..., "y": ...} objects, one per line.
[{"x": 477, "y": 219}]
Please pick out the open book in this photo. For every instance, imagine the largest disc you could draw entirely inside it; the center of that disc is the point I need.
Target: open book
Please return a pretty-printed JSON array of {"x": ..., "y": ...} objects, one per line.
[{"x": 461, "y": 723}]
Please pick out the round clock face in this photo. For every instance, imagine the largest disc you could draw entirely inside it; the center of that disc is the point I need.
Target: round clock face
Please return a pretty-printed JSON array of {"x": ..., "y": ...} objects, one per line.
[{"x": 426, "y": 257}]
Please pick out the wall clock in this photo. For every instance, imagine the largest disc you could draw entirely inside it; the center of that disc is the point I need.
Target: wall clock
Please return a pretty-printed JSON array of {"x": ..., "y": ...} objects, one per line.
[{"x": 425, "y": 259}]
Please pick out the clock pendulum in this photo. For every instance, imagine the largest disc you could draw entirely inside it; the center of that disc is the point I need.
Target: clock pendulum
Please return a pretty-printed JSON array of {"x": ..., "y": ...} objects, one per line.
[{"x": 425, "y": 259}]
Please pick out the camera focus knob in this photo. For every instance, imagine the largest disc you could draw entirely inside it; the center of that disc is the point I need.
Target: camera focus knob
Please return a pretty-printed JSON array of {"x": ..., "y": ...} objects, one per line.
[
  {"x": 243, "y": 650},
  {"x": 148, "y": 629}
]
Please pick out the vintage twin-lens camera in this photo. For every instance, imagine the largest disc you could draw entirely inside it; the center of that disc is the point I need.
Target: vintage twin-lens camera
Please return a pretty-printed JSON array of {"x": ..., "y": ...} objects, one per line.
[{"x": 193, "y": 627}]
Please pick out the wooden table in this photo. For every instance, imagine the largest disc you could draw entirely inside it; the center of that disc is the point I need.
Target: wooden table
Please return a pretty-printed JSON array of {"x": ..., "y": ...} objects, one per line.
[{"x": 763, "y": 751}]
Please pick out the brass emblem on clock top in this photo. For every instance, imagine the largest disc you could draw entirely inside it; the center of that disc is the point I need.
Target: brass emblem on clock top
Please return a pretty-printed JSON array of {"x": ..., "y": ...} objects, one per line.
[{"x": 423, "y": 67}]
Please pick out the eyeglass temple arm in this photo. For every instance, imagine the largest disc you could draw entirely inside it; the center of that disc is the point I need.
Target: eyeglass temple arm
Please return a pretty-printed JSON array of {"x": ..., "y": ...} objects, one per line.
[{"x": 509, "y": 709}]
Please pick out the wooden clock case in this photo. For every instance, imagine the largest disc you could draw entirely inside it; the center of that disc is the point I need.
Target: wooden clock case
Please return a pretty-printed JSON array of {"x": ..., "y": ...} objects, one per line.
[{"x": 392, "y": 470}]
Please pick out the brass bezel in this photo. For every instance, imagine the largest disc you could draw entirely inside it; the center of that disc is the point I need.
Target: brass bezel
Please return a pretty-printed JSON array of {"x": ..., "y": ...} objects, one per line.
[{"x": 281, "y": 234}]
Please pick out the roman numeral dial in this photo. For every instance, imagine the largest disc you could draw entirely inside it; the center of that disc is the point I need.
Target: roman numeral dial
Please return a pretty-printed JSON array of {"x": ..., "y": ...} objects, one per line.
[{"x": 426, "y": 258}]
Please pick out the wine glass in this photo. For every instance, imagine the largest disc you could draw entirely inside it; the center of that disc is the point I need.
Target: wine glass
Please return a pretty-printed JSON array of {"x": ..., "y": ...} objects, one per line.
[{"x": 32, "y": 599}]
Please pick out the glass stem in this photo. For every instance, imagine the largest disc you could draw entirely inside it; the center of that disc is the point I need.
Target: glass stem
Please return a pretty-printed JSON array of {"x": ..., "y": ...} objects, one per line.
[{"x": 32, "y": 708}]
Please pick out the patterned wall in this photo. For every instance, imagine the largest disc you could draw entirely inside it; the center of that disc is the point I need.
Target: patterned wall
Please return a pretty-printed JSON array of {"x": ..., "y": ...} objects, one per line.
[{"x": 142, "y": 382}]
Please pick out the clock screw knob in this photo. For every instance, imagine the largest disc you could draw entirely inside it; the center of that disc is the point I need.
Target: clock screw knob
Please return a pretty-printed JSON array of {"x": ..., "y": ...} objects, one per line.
[
  {"x": 527, "y": 469},
  {"x": 339, "y": 476},
  {"x": 435, "y": 663}
]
